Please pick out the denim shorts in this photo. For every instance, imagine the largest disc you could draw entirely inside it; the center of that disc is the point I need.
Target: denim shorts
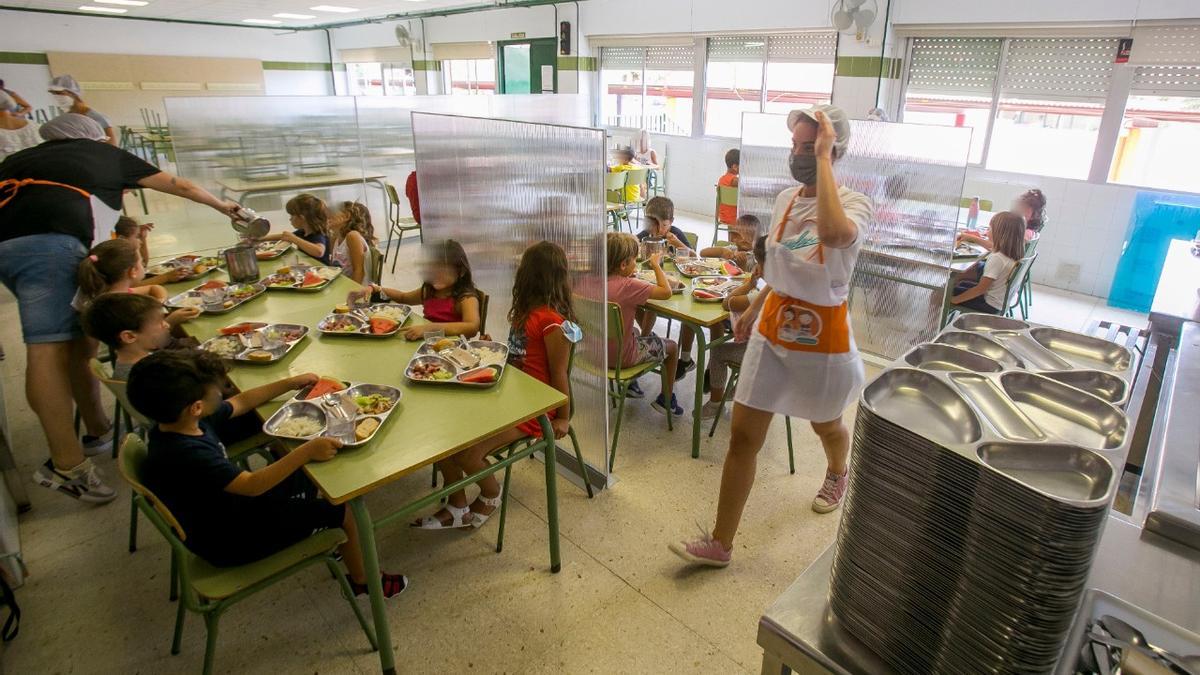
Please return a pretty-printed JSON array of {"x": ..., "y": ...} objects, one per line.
[{"x": 41, "y": 269}]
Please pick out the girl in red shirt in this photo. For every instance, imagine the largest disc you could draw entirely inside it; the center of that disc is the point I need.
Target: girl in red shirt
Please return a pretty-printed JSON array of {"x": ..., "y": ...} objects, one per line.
[
  {"x": 540, "y": 321},
  {"x": 448, "y": 297}
]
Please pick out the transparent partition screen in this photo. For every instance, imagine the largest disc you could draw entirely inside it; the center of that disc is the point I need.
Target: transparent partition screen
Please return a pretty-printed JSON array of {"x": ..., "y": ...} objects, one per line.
[
  {"x": 914, "y": 174},
  {"x": 499, "y": 186}
]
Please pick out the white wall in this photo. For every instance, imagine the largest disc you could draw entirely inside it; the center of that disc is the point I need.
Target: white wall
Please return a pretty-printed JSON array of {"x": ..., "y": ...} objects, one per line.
[{"x": 1015, "y": 11}]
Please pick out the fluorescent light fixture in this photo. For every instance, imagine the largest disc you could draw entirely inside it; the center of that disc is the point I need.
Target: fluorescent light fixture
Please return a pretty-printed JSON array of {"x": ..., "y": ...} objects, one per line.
[
  {"x": 286, "y": 15},
  {"x": 102, "y": 10},
  {"x": 127, "y": 3},
  {"x": 333, "y": 8},
  {"x": 262, "y": 22}
]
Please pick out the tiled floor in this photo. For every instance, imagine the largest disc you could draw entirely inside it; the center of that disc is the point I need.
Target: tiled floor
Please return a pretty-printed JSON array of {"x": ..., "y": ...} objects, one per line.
[{"x": 622, "y": 603}]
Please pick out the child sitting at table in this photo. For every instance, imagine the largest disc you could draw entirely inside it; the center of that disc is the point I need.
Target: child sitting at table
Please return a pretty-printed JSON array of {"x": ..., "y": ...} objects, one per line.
[
  {"x": 310, "y": 218},
  {"x": 542, "y": 329},
  {"x": 448, "y": 297},
  {"x": 727, "y": 353},
  {"x": 727, "y": 213},
  {"x": 984, "y": 287},
  {"x": 742, "y": 233},
  {"x": 130, "y": 230},
  {"x": 114, "y": 266},
  {"x": 630, "y": 293},
  {"x": 354, "y": 236},
  {"x": 660, "y": 224},
  {"x": 633, "y": 193},
  {"x": 133, "y": 326},
  {"x": 233, "y": 516}
]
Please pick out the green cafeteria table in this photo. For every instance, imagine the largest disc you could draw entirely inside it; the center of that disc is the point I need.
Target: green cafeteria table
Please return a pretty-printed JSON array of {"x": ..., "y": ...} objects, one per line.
[{"x": 432, "y": 421}]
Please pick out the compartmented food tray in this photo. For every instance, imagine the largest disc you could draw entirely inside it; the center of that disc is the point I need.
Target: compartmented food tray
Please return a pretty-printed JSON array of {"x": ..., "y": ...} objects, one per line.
[
  {"x": 647, "y": 276},
  {"x": 706, "y": 267},
  {"x": 302, "y": 278},
  {"x": 197, "y": 265},
  {"x": 718, "y": 286},
  {"x": 261, "y": 343},
  {"x": 270, "y": 250},
  {"x": 305, "y": 419},
  {"x": 235, "y": 295},
  {"x": 456, "y": 361},
  {"x": 376, "y": 321}
]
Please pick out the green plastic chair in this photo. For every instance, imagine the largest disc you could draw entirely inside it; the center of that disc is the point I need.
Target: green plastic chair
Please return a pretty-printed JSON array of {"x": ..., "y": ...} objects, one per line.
[
  {"x": 1025, "y": 299},
  {"x": 209, "y": 590},
  {"x": 377, "y": 259},
  {"x": 727, "y": 195},
  {"x": 693, "y": 240},
  {"x": 621, "y": 376},
  {"x": 1012, "y": 294},
  {"x": 397, "y": 225},
  {"x": 735, "y": 371},
  {"x": 614, "y": 198},
  {"x": 637, "y": 177}
]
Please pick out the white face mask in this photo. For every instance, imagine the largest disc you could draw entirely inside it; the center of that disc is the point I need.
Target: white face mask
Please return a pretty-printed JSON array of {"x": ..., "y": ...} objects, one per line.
[{"x": 63, "y": 101}]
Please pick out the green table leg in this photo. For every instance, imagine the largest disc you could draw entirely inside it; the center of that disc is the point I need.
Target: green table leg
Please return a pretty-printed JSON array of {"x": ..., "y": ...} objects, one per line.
[
  {"x": 366, "y": 540},
  {"x": 551, "y": 491},
  {"x": 701, "y": 349}
]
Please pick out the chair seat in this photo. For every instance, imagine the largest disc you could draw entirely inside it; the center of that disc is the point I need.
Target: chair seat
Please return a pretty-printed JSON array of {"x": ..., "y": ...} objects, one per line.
[
  {"x": 611, "y": 206},
  {"x": 216, "y": 583},
  {"x": 630, "y": 372}
]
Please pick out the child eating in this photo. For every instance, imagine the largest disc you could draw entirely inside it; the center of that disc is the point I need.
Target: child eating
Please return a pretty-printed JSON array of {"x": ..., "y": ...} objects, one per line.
[
  {"x": 114, "y": 266},
  {"x": 984, "y": 287},
  {"x": 448, "y": 297},
  {"x": 354, "y": 235},
  {"x": 233, "y": 516},
  {"x": 310, "y": 218},
  {"x": 741, "y": 242}
]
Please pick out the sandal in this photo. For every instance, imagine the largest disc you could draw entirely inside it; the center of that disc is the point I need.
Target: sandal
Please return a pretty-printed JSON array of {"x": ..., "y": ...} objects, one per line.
[
  {"x": 461, "y": 518},
  {"x": 478, "y": 519}
]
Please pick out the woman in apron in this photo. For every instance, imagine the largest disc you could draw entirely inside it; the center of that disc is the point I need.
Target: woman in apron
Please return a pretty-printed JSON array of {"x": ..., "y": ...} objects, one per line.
[{"x": 801, "y": 360}]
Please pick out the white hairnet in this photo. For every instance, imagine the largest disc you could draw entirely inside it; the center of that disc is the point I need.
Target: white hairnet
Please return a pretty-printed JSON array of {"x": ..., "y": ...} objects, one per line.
[
  {"x": 72, "y": 125},
  {"x": 65, "y": 83}
]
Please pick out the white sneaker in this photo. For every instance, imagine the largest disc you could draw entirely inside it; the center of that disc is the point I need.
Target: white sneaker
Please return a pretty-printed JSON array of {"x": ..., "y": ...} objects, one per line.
[{"x": 83, "y": 482}]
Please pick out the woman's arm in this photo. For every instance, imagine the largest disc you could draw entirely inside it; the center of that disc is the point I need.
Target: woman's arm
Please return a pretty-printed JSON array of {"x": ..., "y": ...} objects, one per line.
[
  {"x": 252, "y": 398},
  {"x": 834, "y": 228},
  {"x": 973, "y": 292},
  {"x": 358, "y": 253},
  {"x": 112, "y": 136},
  {"x": 182, "y": 187},
  {"x": 558, "y": 353}
]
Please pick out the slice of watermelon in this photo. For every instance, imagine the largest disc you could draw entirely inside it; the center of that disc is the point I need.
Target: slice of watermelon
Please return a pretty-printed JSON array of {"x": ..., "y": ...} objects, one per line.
[
  {"x": 481, "y": 376},
  {"x": 211, "y": 284},
  {"x": 732, "y": 269},
  {"x": 312, "y": 279},
  {"x": 699, "y": 293},
  {"x": 241, "y": 328},
  {"x": 381, "y": 325},
  {"x": 324, "y": 386}
]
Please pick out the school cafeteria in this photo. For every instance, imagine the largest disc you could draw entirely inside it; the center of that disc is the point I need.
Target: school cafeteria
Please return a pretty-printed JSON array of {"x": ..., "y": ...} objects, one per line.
[{"x": 529, "y": 336}]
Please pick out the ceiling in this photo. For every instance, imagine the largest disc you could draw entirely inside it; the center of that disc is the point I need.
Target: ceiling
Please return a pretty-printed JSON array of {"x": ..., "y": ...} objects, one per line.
[{"x": 237, "y": 11}]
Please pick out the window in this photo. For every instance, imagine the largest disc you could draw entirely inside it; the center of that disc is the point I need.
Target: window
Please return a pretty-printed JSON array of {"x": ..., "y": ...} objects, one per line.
[
  {"x": 469, "y": 76},
  {"x": 1034, "y": 104},
  {"x": 1160, "y": 134},
  {"x": 647, "y": 88},
  {"x": 796, "y": 70},
  {"x": 380, "y": 79}
]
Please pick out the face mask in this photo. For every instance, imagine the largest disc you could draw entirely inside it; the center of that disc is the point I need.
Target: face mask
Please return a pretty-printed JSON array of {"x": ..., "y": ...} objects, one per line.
[
  {"x": 572, "y": 331},
  {"x": 803, "y": 168},
  {"x": 63, "y": 101}
]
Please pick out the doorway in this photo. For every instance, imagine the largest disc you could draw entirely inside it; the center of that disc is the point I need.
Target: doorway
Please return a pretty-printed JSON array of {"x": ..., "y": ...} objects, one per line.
[{"x": 529, "y": 66}]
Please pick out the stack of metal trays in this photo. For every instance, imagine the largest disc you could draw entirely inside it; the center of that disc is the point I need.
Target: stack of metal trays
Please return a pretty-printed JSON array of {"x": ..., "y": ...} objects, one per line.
[{"x": 984, "y": 464}]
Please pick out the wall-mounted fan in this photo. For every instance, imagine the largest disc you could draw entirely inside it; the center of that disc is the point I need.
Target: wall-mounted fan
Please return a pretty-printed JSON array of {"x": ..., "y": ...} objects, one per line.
[
  {"x": 854, "y": 16},
  {"x": 403, "y": 37}
]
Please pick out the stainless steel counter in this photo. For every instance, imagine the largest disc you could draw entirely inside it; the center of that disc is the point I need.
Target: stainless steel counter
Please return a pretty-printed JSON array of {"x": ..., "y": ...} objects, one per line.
[{"x": 1176, "y": 300}]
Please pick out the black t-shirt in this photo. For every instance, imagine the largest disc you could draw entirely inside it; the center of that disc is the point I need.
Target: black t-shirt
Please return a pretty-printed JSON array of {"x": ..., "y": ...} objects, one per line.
[
  {"x": 317, "y": 238},
  {"x": 93, "y": 166},
  {"x": 645, "y": 234},
  {"x": 190, "y": 473}
]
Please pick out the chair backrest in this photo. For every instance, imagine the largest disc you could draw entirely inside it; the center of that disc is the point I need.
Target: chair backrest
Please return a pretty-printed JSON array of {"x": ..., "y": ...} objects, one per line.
[
  {"x": 483, "y": 310},
  {"x": 616, "y": 331},
  {"x": 1016, "y": 280},
  {"x": 1032, "y": 244},
  {"x": 376, "y": 264},
  {"x": 118, "y": 389},
  {"x": 636, "y": 176},
  {"x": 693, "y": 240},
  {"x": 727, "y": 195},
  {"x": 393, "y": 203},
  {"x": 614, "y": 185},
  {"x": 392, "y": 196},
  {"x": 131, "y": 461}
]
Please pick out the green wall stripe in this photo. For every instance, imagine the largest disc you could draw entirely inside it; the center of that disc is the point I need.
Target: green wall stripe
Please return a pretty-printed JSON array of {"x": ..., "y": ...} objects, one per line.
[
  {"x": 583, "y": 63},
  {"x": 25, "y": 58},
  {"x": 296, "y": 65},
  {"x": 868, "y": 66},
  {"x": 418, "y": 64}
]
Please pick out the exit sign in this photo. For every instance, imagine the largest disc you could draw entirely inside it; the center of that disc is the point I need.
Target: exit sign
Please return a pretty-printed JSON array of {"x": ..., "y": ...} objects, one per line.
[{"x": 517, "y": 36}]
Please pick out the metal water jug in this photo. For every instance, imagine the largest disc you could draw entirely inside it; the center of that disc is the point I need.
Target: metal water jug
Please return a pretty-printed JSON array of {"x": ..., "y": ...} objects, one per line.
[
  {"x": 650, "y": 247},
  {"x": 249, "y": 224},
  {"x": 241, "y": 262}
]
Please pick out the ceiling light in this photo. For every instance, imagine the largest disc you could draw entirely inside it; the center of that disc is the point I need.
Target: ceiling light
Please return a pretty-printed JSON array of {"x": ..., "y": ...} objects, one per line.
[
  {"x": 333, "y": 8},
  {"x": 262, "y": 22},
  {"x": 127, "y": 3},
  {"x": 286, "y": 15},
  {"x": 105, "y": 10}
]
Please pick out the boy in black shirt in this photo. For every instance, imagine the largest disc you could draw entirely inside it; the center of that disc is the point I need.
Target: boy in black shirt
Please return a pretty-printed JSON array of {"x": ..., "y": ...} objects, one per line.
[{"x": 232, "y": 516}]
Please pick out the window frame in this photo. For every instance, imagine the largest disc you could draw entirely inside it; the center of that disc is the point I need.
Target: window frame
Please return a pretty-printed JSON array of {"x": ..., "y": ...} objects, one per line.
[
  {"x": 473, "y": 84},
  {"x": 598, "y": 106}
]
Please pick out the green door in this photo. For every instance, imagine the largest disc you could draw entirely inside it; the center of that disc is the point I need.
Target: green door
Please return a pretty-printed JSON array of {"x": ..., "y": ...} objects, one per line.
[{"x": 523, "y": 63}]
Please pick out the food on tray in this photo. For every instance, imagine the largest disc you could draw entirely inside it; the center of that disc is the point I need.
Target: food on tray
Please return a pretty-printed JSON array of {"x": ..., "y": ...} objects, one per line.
[
  {"x": 444, "y": 344},
  {"x": 706, "y": 295},
  {"x": 280, "y": 280},
  {"x": 225, "y": 347},
  {"x": 228, "y": 304},
  {"x": 381, "y": 325},
  {"x": 429, "y": 371},
  {"x": 731, "y": 269},
  {"x": 244, "y": 327},
  {"x": 299, "y": 426},
  {"x": 286, "y": 333},
  {"x": 209, "y": 261},
  {"x": 161, "y": 268},
  {"x": 341, "y": 309},
  {"x": 480, "y": 376},
  {"x": 341, "y": 324},
  {"x": 709, "y": 282},
  {"x": 373, "y": 404},
  {"x": 211, "y": 285},
  {"x": 461, "y": 357},
  {"x": 241, "y": 291},
  {"x": 260, "y": 355},
  {"x": 311, "y": 279},
  {"x": 489, "y": 356},
  {"x": 284, "y": 270},
  {"x": 364, "y": 429},
  {"x": 327, "y": 273},
  {"x": 194, "y": 301},
  {"x": 395, "y": 313},
  {"x": 324, "y": 386}
]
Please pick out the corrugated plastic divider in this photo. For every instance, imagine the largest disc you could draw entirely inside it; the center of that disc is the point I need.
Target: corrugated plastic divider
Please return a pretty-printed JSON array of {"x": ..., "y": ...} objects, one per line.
[{"x": 499, "y": 186}]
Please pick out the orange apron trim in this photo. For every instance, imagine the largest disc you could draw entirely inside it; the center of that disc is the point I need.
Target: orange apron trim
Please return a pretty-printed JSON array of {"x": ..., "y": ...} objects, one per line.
[{"x": 11, "y": 186}]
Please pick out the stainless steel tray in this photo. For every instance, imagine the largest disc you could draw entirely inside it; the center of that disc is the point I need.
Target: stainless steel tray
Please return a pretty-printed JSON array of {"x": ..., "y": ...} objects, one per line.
[
  {"x": 705, "y": 267},
  {"x": 315, "y": 410},
  {"x": 167, "y": 266},
  {"x": 360, "y": 321},
  {"x": 719, "y": 285},
  {"x": 271, "y": 250},
  {"x": 297, "y": 276},
  {"x": 241, "y": 345},
  {"x": 492, "y": 355},
  {"x": 944, "y": 357},
  {"x": 193, "y": 298},
  {"x": 647, "y": 276}
]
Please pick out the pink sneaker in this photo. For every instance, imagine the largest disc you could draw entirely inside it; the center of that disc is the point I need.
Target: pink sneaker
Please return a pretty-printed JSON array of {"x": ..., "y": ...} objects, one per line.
[
  {"x": 829, "y": 497},
  {"x": 703, "y": 550}
]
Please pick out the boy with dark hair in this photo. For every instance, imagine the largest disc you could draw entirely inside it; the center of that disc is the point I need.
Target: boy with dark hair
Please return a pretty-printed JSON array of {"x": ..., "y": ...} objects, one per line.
[
  {"x": 131, "y": 325},
  {"x": 727, "y": 213},
  {"x": 233, "y": 516}
]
